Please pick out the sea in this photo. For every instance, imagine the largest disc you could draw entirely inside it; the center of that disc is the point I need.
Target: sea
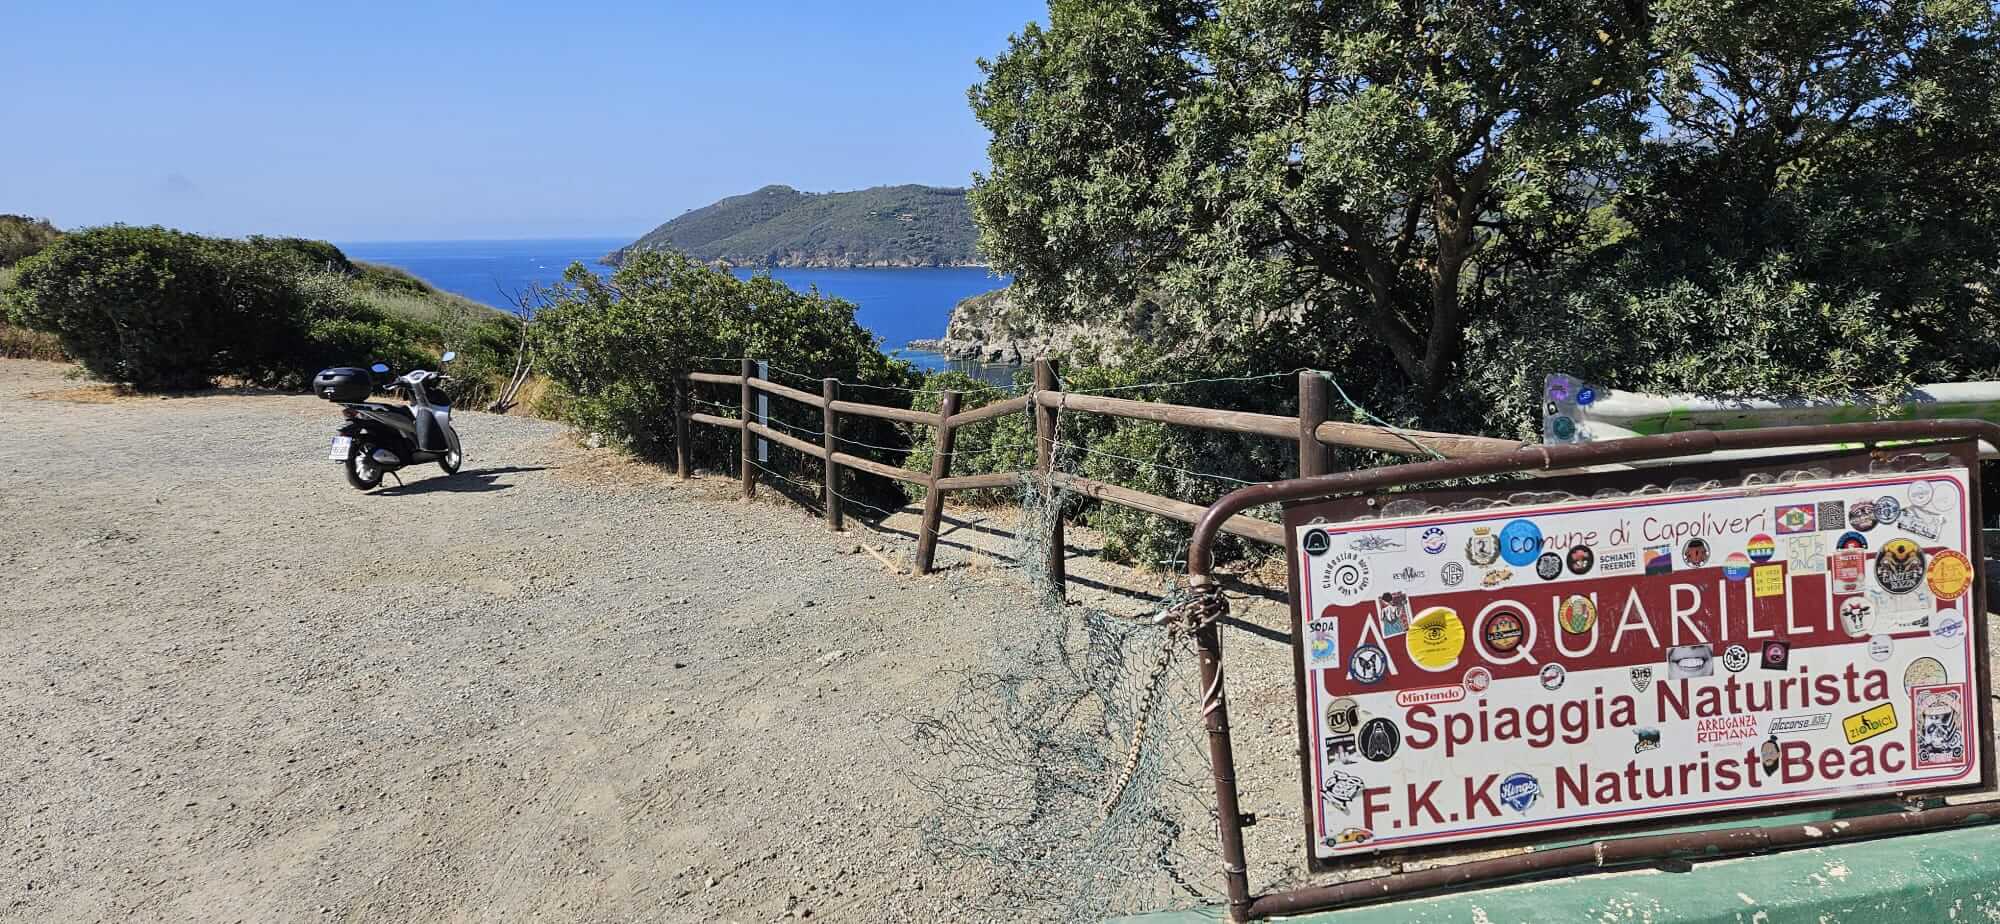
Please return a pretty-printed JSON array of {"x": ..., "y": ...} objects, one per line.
[{"x": 897, "y": 305}]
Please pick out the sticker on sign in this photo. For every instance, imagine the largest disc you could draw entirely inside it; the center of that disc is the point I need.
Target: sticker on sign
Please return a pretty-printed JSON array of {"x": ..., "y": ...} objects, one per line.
[{"x": 1732, "y": 678}]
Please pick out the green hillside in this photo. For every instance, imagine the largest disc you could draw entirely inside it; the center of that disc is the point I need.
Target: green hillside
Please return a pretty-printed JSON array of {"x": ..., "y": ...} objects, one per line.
[{"x": 780, "y": 226}]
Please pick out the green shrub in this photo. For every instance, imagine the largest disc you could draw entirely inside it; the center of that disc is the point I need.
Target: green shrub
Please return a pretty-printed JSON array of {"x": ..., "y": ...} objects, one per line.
[
  {"x": 617, "y": 349},
  {"x": 22, "y": 237},
  {"x": 161, "y": 309}
]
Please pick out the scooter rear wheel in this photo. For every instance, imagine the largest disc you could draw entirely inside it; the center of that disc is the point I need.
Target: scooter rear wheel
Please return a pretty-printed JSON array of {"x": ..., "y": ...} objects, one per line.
[{"x": 362, "y": 472}]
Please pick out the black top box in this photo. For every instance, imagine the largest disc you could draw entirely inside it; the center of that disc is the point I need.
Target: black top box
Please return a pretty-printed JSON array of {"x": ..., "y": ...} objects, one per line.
[{"x": 345, "y": 384}]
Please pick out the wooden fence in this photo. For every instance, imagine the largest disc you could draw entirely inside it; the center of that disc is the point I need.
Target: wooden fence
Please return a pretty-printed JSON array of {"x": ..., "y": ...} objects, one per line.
[{"x": 1310, "y": 430}]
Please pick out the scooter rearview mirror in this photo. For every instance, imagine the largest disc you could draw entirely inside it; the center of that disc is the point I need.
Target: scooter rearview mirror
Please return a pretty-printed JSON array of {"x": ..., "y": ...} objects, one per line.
[
  {"x": 379, "y": 368},
  {"x": 449, "y": 355}
]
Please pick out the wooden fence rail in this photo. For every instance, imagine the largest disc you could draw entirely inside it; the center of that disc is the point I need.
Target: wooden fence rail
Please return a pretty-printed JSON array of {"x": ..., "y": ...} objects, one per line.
[{"x": 1310, "y": 430}]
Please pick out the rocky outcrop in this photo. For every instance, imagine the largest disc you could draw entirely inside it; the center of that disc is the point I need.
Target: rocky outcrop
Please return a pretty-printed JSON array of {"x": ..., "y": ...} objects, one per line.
[{"x": 992, "y": 327}]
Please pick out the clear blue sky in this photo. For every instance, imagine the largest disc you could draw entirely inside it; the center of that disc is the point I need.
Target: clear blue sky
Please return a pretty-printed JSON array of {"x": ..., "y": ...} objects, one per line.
[{"x": 423, "y": 120}]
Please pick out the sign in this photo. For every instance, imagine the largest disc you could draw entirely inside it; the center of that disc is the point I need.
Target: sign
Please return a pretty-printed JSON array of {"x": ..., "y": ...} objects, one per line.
[{"x": 1634, "y": 658}]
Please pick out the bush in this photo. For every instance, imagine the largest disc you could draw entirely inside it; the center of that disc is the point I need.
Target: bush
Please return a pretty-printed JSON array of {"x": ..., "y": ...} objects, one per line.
[
  {"x": 22, "y": 237},
  {"x": 617, "y": 349},
  {"x": 161, "y": 309}
]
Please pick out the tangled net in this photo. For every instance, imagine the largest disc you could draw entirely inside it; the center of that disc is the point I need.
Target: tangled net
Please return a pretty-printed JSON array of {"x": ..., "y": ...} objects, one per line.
[{"x": 1073, "y": 765}]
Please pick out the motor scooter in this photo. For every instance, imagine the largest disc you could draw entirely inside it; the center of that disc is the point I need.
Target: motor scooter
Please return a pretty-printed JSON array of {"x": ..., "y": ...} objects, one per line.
[{"x": 380, "y": 438}]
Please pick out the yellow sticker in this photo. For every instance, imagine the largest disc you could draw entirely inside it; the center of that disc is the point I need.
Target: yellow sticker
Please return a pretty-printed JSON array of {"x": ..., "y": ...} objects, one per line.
[
  {"x": 1436, "y": 638},
  {"x": 1868, "y": 723},
  {"x": 1768, "y": 580},
  {"x": 1950, "y": 575}
]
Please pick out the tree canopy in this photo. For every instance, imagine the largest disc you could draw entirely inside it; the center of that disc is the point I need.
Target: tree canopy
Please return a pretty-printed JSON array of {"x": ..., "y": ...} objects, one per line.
[{"x": 1433, "y": 192}]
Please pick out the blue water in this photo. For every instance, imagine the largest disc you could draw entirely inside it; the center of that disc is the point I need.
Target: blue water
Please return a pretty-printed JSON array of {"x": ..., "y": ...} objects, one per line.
[{"x": 897, "y": 305}]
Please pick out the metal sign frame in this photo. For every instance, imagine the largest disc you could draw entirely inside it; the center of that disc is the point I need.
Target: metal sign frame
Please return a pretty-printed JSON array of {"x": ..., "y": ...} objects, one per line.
[
  {"x": 1611, "y": 850},
  {"x": 1343, "y": 511}
]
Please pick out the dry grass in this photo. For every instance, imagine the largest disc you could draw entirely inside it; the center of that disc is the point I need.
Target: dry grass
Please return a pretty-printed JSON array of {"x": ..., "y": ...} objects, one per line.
[
  {"x": 22, "y": 343},
  {"x": 607, "y": 467}
]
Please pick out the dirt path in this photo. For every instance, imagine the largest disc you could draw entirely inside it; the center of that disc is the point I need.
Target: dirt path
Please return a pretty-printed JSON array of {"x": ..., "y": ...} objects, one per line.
[{"x": 237, "y": 689}]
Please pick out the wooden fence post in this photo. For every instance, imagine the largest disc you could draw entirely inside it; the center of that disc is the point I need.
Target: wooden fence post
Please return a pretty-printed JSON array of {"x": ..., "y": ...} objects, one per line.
[
  {"x": 830, "y": 390},
  {"x": 1045, "y": 452},
  {"x": 1312, "y": 413},
  {"x": 749, "y": 473},
  {"x": 682, "y": 452},
  {"x": 927, "y": 538}
]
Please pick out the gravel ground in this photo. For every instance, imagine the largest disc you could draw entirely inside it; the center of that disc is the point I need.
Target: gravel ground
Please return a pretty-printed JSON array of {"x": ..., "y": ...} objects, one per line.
[{"x": 557, "y": 685}]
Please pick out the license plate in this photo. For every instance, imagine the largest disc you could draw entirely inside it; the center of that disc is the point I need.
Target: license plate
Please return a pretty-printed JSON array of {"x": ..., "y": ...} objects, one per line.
[{"x": 338, "y": 451}]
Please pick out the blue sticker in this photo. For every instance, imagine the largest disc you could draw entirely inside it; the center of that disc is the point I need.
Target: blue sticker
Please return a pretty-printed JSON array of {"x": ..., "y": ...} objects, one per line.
[
  {"x": 1520, "y": 791},
  {"x": 1368, "y": 664},
  {"x": 1433, "y": 539},
  {"x": 1586, "y": 395},
  {"x": 1520, "y": 543}
]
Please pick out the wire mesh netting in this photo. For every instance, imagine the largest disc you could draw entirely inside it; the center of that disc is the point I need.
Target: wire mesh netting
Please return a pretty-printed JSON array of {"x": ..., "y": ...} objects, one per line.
[{"x": 1071, "y": 765}]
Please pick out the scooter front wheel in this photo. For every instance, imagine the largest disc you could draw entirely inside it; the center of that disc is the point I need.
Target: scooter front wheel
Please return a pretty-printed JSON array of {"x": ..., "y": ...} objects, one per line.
[
  {"x": 449, "y": 462},
  {"x": 362, "y": 471}
]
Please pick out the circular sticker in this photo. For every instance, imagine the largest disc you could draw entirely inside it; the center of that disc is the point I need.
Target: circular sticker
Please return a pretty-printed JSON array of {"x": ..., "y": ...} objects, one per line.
[
  {"x": 1379, "y": 739},
  {"x": 1581, "y": 559},
  {"x": 1921, "y": 494},
  {"x": 1899, "y": 566},
  {"x": 1317, "y": 542},
  {"x": 1585, "y": 396},
  {"x": 1857, "y": 616},
  {"x": 1436, "y": 638},
  {"x": 1880, "y": 647},
  {"x": 1861, "y": 515},
  {"x": 1923, "y": 671},
  {"x": 1504, "y": 632},
  {"x": 1433, "y": 539},
  {"x": 1949, "y": 574},
  {"x": 1887, "y": 509},
  {"x": 1349, "y": 574},
  {"x": 1549, "y": 566},
  {"x": 1577, "y": 615},
  {"x": 1851, "y": 540},
  {"x": 1367, "y": 664},
  {"x": 1342, "y": 715},
  {"x": 1477, "y": 680},
  {"x": 1520, "y": 542},
  {"x": 1736, "y": 567},
  {"x": 1564, "y": 428},
  {"x": 1695, "y": 553},
  {"x": 1948, "y": 627},
  {"x": 1761, "y": 548},
  {"x": 1553, "y": 676},
  {"x": 1735, "y": 658},
  {"x": 1452, "y": 574}
]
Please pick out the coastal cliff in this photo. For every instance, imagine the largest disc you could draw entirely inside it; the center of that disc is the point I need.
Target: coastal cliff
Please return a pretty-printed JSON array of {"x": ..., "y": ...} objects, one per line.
[
  {"x": 778, "y": 226},
  {"x": 992, "y": 327}
]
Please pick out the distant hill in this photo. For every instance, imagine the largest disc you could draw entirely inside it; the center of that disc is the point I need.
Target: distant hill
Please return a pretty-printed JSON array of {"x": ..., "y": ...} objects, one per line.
[{"x": 780, "y": 226}]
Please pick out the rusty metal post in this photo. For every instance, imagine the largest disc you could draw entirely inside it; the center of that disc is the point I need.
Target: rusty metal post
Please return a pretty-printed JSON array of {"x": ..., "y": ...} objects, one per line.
[
  {"x": 829, "y": 389},
  {"x": 683, "y": 454},
  {"x": 749, "y": 473},
  {"x": 1045, "y": 453},
  {"x": 1222, "y": 762},
  {"x": 927, "y": 537},
  {"x": 1312, "y": 413}
]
